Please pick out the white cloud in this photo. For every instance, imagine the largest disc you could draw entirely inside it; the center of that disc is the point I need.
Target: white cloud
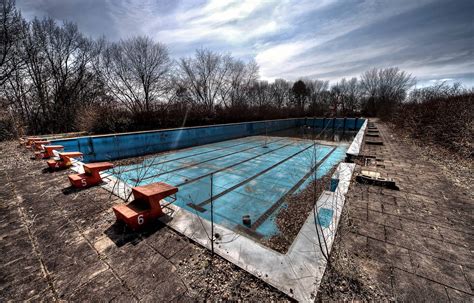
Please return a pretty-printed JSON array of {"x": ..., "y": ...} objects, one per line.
[{"x": 287, "y": 38}]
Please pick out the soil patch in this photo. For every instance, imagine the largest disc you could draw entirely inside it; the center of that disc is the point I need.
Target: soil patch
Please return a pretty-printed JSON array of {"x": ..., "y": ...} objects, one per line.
[{"x": 290, "y": 219}]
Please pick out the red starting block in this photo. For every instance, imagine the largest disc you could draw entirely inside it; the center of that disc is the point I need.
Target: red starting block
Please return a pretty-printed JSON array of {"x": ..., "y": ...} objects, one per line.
[
  {"x": 48, "y": 151},
  {"x": 29, "y": 140},
  {"x": 64, "y": 161},
  {"x": 146, "y": 207},
  {"x": 91, "y": 175},
  {"x": 40, "y": 155},
  {"x": 38, "y": 145}
]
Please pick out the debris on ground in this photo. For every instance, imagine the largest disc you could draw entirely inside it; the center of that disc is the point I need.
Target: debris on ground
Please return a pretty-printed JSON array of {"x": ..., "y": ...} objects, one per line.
[
  {"x": 298, "y": 207},
  {"x": 456, "y": 168},
  {"x": 212, "y": 278}
]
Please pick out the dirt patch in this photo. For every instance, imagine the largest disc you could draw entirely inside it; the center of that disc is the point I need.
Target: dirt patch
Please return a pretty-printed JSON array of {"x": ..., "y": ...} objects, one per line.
[
  {"x": 213, "y": 278},
  {"x": 290, "y": 219},
  {"x": 131, "y": 161},
  {"x": 456, "y": 168}
]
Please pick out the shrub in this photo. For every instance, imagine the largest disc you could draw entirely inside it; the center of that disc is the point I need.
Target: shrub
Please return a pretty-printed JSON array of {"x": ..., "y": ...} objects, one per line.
[{"x": 445, "y": 121}]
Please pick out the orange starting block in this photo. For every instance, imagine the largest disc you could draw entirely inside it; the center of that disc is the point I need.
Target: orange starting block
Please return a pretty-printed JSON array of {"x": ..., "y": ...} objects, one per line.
[
  {"x": 48, "y": 151},
  {"x": 91, "y": 175},
  {"x": 64, "y": 160},
  {"x": 29, "y": 141},
  {"x": 38, "y": 145},
  {"x": 146, "y": 207}
]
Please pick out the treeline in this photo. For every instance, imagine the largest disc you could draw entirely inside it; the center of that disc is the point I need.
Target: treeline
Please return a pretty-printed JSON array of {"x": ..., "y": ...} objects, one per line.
[
  {"x": 440, "y": 115},
  {"x": 55, "y": 79}
]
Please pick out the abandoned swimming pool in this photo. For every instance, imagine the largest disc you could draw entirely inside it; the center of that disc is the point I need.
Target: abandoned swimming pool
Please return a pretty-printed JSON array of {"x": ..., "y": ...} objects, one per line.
[
  {"x": 253, "y": 167},
  {"x": 251, "y": 176},
  {"x": 248, "y": 169}
]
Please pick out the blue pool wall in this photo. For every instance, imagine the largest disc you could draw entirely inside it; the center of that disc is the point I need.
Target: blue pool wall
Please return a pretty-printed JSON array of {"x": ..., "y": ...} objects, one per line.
[
  {"x": 335, "y": 123},
  {"x": 125, "y": 145}
]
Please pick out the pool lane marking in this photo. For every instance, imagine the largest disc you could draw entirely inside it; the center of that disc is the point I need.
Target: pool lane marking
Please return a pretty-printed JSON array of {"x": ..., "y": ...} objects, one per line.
[
  {"x": 225, "y": 168},
  {"x": 196, "y": 154},
  {"x": 208, "y": 160},
  {"x": 232, "y": 165},
  {"x": 200, "y": 205},
  {"x": 252, "y": 232},
  {"x": 280, "y": 201}
]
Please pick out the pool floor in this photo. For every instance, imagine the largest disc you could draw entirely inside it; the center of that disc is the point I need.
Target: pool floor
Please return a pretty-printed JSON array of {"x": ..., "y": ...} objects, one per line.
[{"x": 250, "y": 176}]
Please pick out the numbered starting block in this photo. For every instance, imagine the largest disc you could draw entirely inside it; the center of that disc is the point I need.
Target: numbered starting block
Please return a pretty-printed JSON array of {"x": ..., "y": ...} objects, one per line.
[
  {"x": 48, "y": 151},
  {"x": 63, "y": 160},
  {"x": 146, "y": 207},
  {"x": 91, "y": 175}
]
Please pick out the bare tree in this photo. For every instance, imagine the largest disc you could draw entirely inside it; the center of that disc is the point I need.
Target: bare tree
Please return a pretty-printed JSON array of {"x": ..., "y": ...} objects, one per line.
[
  {"x": 55, "y": 75},
  {"x": 352, "y": 94},
  {"x": 16, "y": 92},
  {"x": 345, "y": 97},
  {"x": 280, "y": 91},
  {"x": 316, "y": 89},
  {"x": 384, "y": 88},
  {"x": 335, "y": 101},
  {"x": 68, "y": 54},
  {"x": 240, "y": 78},
  {"x": 204, "y": 77},
  {"x": 259, "y": 95},
  {"x": 11, "y": 35},
  {"x": 300, "y": 93},
  {"x": 135, "y": 71},
  {"x": 437, "y": 90}
]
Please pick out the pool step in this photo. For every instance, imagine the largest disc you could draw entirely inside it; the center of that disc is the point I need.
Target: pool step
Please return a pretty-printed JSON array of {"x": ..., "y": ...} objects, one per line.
[{"x": 372, "y": 142}]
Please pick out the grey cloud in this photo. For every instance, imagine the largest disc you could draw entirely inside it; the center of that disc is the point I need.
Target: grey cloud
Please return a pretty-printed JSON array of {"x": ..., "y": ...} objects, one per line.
[
  {"x": 95, "y": 17},
  {"x": 91, "y": 16},
  {"x": 432, "y": 36}
]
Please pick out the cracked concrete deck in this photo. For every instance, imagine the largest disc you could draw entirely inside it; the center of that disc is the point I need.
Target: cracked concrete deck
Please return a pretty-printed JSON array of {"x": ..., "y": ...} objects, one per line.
[{"x": 416, "y": 243}]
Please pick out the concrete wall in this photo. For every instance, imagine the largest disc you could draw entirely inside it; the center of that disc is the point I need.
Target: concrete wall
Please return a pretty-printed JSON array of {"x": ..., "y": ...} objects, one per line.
[{"x": 117, "y": 146}]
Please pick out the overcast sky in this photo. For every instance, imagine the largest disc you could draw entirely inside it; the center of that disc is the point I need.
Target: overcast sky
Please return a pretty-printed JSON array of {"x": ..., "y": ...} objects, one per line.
[{"x": 324, "y": 39}]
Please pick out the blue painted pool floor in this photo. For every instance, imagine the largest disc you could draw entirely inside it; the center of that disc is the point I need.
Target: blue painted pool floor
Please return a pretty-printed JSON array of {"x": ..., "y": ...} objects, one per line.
[{"x": 250, "y": 176}]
